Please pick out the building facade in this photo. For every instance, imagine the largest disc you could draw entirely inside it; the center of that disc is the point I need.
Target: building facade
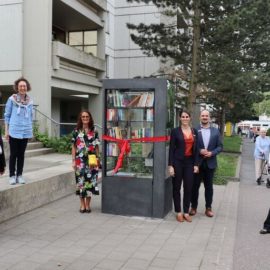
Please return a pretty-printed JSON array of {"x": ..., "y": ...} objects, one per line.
[
  {"x": 59, "y": 46},
  {"x": 65, "y": 48},
  {"x": 123, "y": 57}
]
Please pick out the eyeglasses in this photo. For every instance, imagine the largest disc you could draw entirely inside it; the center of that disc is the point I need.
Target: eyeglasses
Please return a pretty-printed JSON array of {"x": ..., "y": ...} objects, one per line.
[{"x": 85, "y": 116}]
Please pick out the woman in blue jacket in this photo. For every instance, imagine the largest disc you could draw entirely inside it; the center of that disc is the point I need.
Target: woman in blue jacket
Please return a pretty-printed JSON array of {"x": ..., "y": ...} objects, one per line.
[
  {"x": 18, "y": 128},
  {"x": 261, "y": 153}
]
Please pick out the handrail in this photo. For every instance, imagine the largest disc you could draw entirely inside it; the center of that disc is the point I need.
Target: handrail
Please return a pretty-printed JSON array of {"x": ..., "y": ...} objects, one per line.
[
  {"x": 52, "y": 120},
  {"x": 59, "y": 123}
]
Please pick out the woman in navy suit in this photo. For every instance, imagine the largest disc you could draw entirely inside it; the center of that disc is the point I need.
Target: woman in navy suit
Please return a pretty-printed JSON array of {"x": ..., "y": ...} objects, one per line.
[{"x": 183, "y": 163}]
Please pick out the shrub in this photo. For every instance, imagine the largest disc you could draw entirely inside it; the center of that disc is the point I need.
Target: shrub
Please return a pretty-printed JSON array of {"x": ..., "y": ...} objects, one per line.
[{"x": 62, "y": 144}]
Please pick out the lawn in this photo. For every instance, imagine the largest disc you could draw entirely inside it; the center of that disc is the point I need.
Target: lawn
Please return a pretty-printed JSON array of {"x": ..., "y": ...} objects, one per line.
[
  {"x": 227, "y": 163},
  {"x": 232, "y": 144}
]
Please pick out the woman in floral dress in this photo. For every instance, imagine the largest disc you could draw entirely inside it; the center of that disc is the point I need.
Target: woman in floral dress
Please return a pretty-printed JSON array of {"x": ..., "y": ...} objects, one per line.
[{"x": 85, "y": 141}]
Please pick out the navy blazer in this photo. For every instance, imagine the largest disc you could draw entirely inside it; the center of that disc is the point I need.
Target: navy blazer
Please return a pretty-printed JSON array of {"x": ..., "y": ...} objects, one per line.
[
  {"x": 215, "y": 146},
  {"x": 177, "y": 146}
]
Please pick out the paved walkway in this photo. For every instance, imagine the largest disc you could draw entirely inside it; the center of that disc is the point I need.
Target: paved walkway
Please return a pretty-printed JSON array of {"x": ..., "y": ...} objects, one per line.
[
  {"x": 57, "y": 236},
  {"x": 251, "y": 248}
]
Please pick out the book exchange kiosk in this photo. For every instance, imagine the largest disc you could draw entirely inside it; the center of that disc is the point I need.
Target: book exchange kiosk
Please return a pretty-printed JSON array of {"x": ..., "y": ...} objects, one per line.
[{"x": 135, "y": 180}]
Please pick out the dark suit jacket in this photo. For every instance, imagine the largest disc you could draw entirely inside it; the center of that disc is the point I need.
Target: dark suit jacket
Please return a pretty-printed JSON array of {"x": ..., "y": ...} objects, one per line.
[
  {"x": 177, "y": 146},
  {"x": 215, "y": 146}
]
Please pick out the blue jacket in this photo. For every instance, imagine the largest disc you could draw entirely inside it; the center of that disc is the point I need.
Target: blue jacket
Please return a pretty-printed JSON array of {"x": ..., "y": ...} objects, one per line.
[
  {"x": 177, "y": 146},
  {"x": 262, "y": 148},
  {"x": 215, "y": 146},
  {"x": 19, "y": 117}
]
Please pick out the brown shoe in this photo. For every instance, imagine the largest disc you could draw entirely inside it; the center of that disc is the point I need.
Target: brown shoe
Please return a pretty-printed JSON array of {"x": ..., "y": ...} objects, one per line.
[
  {"x": 192, "y": 211},
  {"x": 180, "y": 217},
  {"x": 187, "y": 217},
  {"x": 208, "y": 212}
]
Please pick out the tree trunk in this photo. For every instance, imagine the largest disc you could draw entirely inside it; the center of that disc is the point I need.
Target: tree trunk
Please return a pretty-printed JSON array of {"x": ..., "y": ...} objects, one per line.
[
  {"x": 195, "y": 58},
  {"x": 222, "y": 122}
]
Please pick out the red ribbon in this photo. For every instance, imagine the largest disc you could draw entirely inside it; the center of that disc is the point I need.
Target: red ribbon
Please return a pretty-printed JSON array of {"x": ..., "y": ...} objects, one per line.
[{"x": 125, "y": 148}]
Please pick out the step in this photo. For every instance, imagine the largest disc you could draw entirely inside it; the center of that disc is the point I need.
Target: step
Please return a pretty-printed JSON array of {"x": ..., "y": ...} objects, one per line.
[
  {"x": 34, "y": 145},
  {"x": 33, "y": 149},
  {"x": 38, "y": 152},
  {"x": 48, "y": 178}
]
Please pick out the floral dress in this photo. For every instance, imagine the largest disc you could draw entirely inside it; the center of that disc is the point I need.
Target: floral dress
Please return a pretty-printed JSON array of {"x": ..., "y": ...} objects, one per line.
[{"x": 86, "y": 176}]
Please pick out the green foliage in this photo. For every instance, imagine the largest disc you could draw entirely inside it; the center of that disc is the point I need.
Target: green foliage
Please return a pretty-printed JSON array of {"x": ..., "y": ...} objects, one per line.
[
  {"x": 61, "y": 145},
  {"x": 227, "y": 164},
  {"x": 263, "y": 107},
  {"x": 232, "y": 56},
  {"x": 170, "y": 105},
  {"x": 232, "y": 144}
]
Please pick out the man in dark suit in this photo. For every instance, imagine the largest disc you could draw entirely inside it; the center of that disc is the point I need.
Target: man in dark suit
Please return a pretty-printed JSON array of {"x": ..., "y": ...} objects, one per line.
[{"x": 210, "y": 145}]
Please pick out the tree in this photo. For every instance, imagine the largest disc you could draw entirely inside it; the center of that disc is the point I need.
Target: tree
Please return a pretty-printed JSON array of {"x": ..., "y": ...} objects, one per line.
[
  {"x": 247, "y": 72},
  {"x": 220, "y": 48}
]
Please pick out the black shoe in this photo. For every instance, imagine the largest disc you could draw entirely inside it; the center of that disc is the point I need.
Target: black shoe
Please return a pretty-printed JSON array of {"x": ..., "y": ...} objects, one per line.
[
  {"x": 82, "y": 211},
  {"x": 268, "y": 183},
  {"x": 264, "y": 231},
  {"x": 258, "y": 181}
]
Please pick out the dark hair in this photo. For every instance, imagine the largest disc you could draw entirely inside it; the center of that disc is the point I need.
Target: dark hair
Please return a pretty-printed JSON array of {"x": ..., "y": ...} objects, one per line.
[
  {"x": 22, "y": 79},
  {"x": 80, "y": 123},
  {"x": 184, "y": 111}
]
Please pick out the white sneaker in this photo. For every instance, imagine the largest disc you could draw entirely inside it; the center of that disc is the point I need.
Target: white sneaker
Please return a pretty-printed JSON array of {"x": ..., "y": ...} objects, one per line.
[
  {"x": 20, "y": 179},
  {"x": 12, "y": 180}
]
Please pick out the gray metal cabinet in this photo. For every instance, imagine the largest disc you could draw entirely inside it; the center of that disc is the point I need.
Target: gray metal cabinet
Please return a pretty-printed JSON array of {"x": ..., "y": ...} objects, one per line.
[{"x": 134, "y": 109}]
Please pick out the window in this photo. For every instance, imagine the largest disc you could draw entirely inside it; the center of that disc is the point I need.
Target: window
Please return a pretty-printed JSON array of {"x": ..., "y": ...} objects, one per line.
[
  {"x": 84, "y": 40},
  {"x": 107, "y": 59},
  {"x": 108, "y": 22}
]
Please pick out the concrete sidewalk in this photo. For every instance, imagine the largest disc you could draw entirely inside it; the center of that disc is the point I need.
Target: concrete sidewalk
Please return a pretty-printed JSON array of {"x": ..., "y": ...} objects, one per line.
[
  {"x": 251, "y": 248},
  {"x": 57, "y": 236}
]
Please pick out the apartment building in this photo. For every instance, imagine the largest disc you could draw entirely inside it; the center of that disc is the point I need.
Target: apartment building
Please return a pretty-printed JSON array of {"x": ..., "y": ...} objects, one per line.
[
  {"x": 65, "y": 47},
  {"x": 124, "y": 59},
  {"x": 59, "y": 46}
]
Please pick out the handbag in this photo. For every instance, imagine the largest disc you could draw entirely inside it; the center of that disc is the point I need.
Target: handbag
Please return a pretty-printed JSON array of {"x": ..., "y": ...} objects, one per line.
[{"x": 92, "y": 160}]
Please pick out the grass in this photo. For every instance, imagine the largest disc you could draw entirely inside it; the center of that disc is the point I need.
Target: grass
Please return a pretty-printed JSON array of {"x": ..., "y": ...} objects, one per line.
[
  {"x": 232, "y": 144},
  {"x": 227, "y": 164}
]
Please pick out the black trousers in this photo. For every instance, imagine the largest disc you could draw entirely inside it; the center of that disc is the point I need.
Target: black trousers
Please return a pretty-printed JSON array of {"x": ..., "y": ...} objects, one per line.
[
  {"x": 183, "y": 172},
  {"x": 266, "y": 224},
  {"x": 17, "y": 150},
  {"x": 205, "y": 175}
]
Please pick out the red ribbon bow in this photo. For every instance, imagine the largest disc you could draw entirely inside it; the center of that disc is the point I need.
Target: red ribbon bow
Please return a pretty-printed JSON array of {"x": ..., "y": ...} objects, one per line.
[{"x": 125, "y": 148}]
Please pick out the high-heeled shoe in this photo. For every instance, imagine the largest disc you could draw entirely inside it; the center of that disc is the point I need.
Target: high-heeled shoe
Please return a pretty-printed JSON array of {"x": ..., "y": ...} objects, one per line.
[
  {"x": 180, "y": 217},
  {"x": 187, "y": 218}
]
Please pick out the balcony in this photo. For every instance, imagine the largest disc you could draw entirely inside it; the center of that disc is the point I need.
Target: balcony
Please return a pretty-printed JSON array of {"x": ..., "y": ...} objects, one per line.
[
  {"x": 74, "y": 16},
  {"x": 75, "y": 70}
]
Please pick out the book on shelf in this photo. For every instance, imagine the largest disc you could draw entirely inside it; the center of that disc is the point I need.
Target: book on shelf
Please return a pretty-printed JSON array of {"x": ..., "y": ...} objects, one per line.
[
  {"x": 142, "y": 132},
  {"x": 112, "y": 115},
  {"x": 117, "y": 98},
  {"x": 134, "y": 101},
  {"x": 150, "y": 114},
  {"x": 118, "y": 132},
  {"x": 112, "y": 149},
  {"x": 110, "y": 98},
  {"x": 142, "y": 101},
  {"x": 150, "y": 100}
]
